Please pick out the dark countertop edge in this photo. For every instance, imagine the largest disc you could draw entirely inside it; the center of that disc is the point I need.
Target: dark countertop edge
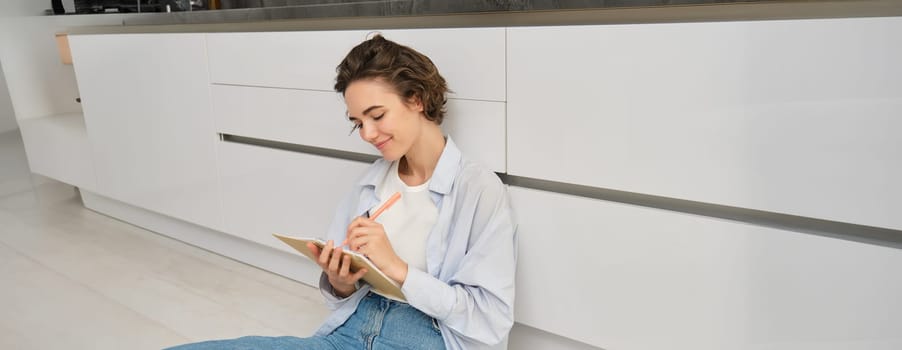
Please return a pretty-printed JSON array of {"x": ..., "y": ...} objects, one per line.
[{"x": 781, "y": 10}]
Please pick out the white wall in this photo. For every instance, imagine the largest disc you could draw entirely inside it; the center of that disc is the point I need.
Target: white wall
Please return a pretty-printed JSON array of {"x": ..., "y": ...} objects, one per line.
[
  {"x": 7, "y": 115},
  {"x": 39, "y": 84},
  {"x": 19, "y": 8},
  {"x": 15, "y": 9},
  {"x": 38, "y": 93}
]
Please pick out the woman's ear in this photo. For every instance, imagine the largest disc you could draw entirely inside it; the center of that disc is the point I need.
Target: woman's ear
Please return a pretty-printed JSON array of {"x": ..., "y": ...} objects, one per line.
[{"x": 415, "y": 103}]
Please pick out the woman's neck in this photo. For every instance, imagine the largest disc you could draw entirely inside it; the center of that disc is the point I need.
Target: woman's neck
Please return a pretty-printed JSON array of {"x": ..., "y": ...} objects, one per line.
[{"x": 419, "y": 163}]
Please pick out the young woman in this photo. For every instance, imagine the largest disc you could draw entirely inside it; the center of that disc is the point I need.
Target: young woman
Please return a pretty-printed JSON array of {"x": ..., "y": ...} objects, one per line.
[{"x": 450, "y": 241}]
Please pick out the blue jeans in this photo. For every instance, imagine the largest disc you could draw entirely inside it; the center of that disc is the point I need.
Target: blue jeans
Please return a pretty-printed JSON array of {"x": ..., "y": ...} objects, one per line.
[{"x": 378, "y": 323}]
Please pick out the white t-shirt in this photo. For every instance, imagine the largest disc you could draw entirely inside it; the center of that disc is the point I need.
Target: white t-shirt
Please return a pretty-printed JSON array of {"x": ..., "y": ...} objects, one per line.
[{"x": 409, "y": 221}]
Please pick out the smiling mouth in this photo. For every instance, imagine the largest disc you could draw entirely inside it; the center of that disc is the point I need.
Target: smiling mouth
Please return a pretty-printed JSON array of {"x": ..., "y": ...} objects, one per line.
[{"x": 382, "y": 144}]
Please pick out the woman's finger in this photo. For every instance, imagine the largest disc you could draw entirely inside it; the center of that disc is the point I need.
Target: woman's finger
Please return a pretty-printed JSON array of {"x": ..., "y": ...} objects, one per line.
[
  {"x": 357, "y": 222},
  {"x": 358, "y": 275},
  {"x": 313, "y": 249},
  {"x": 333, "y": 262},
  {"x": 358, "y": 242},
  {"x": 362, "y": 231},
  {"x": 345, "y": 267},
  {"x": 324, "y": 255},
  {"x": 356, "y": 235},
  {"x": 360, "y": 222}
]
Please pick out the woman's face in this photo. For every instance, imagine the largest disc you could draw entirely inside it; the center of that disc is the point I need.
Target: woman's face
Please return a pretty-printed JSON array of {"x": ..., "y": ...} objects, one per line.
[{"x": 383, "y": 118}]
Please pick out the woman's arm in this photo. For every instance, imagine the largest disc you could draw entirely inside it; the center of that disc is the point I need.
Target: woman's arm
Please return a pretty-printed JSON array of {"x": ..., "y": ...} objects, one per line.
[{"x": 477, "y": 302}]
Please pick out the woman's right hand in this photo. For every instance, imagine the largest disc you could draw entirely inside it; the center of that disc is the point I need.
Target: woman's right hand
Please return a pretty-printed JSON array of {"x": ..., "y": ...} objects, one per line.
[{"x": 337, "y": 268}]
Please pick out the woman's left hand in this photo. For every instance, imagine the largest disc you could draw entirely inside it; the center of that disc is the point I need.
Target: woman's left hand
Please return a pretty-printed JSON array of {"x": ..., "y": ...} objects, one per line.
[{"x": 368, "y": 238}]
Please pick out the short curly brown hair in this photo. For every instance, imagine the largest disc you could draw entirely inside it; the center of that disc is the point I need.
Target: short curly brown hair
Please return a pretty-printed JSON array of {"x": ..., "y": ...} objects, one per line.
[{"x": 412, "y": 74}]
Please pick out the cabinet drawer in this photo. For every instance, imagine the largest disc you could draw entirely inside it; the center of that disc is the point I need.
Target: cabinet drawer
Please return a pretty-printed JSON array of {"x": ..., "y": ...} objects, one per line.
[
  {"x": 764, "y": 115},
  {"x": 625, "y": 277},
  {"x": 470, "y": 59},
  {"x": 268, "y": 191},
  {"x": 317, "y": 118}
]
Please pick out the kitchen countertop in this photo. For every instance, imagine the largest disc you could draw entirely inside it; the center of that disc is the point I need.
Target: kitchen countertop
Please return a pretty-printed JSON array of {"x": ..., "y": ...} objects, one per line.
[{"x": 708, "y": 12}]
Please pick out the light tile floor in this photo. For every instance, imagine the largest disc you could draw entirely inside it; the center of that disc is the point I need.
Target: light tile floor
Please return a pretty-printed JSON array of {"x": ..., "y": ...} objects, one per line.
[{"x": 71, "y": 278}]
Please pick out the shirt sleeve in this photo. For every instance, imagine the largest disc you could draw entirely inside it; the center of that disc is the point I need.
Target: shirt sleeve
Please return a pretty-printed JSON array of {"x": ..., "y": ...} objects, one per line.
[
  {"x": 477, "y": 302},
  {"x": 325, "y": 288}
]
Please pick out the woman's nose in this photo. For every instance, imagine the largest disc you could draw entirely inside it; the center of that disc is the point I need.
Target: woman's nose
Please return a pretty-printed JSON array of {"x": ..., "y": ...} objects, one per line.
[{"x": 368, "y": 132}]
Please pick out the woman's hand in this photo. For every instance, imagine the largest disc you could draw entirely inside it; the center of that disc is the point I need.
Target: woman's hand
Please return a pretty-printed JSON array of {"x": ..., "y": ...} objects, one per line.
[
  {"x": 368, "y": 237},
  {"x": 337, "y": 268}
]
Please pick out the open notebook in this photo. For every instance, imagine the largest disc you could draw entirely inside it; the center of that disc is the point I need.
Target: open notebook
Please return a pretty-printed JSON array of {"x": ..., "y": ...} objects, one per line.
[{"x": 375, "y": 277}]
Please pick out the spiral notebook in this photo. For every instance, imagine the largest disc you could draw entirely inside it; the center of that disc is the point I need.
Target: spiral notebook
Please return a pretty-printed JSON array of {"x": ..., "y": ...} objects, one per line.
[{"x": 381, "y": 283}]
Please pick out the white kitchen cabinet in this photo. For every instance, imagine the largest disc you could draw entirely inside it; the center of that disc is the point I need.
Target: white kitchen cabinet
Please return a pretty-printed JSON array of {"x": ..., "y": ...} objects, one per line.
[
  {"x": 619, "y": 276},
  {"x": 796, "y": 117},
  {"x": 470, "y": 59},
  {"x": 801, "y": 117},
  {"x": 146, "y": 101}
]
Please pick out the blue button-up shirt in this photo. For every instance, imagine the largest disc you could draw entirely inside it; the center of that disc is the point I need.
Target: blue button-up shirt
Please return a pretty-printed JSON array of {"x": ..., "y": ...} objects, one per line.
[{"x": 471, "y": 253}]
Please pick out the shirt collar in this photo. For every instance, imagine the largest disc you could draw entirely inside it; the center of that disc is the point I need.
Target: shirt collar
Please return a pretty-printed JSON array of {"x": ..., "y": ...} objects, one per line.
[
  {"x": 376, "y": 173},
  {"x": 442, "y": 178},
  {"x": 447, "y": 168}
]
